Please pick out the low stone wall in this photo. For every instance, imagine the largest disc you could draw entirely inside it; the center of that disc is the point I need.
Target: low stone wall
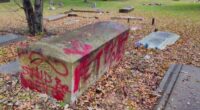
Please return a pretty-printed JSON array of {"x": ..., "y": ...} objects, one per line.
[{"x": 64, "y": 67}]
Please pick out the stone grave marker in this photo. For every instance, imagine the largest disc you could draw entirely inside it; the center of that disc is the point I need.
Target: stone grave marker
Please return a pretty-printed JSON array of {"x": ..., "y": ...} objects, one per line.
[
  {"x": 126, "y": 9},
  {"x": 11, "y": 68},
  {"x": 159, "y": 40},
  {"x": 180, "y": 89},
  {"x": 10, "y": 38},
  {"x": 64, "y": 67}
]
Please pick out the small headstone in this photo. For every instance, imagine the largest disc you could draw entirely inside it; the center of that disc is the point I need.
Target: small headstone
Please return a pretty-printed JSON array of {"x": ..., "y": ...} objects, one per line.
[
  {"x": 51, "y": 2},
  {"x": 126, "y": 9},
  {"x": 11, "y": 67},
  {"x": 94, "y": 5},
  {"x": 51, "y": 5},
  {"x": 52, "y": 8},
  {"x": 60, "y": 4},
  {"x": 159, "y": 40},
  {"x": 9, "y": 38}
]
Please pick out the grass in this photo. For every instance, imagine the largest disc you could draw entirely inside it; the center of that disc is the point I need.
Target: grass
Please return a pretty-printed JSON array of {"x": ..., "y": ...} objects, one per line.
[
  {"x": 183, "y": 9},
  {"x": 178, "y": 10}
]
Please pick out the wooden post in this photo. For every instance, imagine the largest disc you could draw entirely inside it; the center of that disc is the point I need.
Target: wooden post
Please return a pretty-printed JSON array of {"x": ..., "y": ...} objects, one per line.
[{"x": 153, "y": 21}]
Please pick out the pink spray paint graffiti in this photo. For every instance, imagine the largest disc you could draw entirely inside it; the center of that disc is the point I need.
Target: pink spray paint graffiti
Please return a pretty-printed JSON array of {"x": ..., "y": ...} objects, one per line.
[
  {"x": 85, "y": 62},
  {"x": 78, "y": 48},
  {"x": 82, "y": 70},
  {"x": 121, "y": 45},
  {"x": 111, "y": 52}
]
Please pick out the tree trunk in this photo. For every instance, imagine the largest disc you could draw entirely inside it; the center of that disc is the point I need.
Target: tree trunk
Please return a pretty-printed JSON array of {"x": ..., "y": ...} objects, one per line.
[
  {"x": 28, "y": 9},
  {"x": 38, "y": 16},
  {"x": 34, "y": 16}
]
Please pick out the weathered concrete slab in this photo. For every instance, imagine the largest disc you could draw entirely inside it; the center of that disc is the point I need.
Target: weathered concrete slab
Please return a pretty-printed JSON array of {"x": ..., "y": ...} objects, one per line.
[
  {"x": 126, "y": 9},
  {"x": 183, "y": 93},
  {"x": 10, "y": 38},
  {"x": 159, "y": 40},
  {"x": 87, "y": 11},
  {"x": 64, "y": 67},
  {"x": 55, "y": 17},
  {"x": 10, "y": 68}
]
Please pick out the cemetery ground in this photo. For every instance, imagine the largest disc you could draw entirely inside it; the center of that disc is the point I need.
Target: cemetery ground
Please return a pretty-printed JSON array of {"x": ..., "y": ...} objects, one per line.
[{"x": 129, "y": 85}]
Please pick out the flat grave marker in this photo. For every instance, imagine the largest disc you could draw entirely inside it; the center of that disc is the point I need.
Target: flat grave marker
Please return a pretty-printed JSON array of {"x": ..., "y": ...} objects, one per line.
[
  {"x": 10, "y": 38},
  {"x": 180, "y": 88},
  {"x": 126, "y": 9},
  {"x": 159, "y": 40},
  {"x": 10, "y": 68}
]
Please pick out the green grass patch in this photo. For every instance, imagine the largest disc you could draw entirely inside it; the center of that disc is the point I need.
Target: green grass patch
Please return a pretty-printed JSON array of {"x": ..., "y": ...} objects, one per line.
[{"x": 179, "y": 9}]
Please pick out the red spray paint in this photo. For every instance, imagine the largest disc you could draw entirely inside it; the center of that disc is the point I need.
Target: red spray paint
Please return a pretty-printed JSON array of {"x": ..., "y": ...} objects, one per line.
[
  {"x": 36, "y": 59},
  {"x": 112, "y": 51},
  {"x": 78, "y": 48}
]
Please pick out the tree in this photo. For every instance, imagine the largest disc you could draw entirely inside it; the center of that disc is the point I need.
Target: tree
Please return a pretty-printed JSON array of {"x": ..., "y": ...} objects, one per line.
[{"x": 34, "y": 15}]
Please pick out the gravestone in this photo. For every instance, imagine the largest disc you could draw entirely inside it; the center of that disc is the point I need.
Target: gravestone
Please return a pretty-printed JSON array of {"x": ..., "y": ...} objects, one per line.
[
  {"x": 11, "y": 68},
  {"x": 51, "y": 5},
  {"x": 93, "y": 5},
  {"x": 60, "y": 4},
  {"x": 159, "y": 40},
  {"x": 180, "y": 89},
  {"x": 126, "y": 9},
  {"x": 64, "y": 67},
  {"x": 10, "y": 38}
]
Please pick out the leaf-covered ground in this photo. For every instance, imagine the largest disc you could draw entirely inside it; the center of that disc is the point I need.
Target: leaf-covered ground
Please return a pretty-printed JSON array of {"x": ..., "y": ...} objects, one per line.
[{"x": 130, "y": 85}]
